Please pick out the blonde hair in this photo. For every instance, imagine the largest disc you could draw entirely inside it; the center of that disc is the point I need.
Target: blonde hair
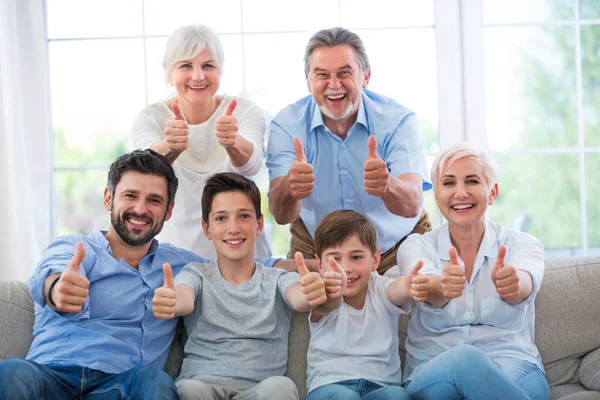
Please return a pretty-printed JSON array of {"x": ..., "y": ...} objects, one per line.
[
  {"x": 187, "y": 42},
  {"x": 463, "y": 150}
]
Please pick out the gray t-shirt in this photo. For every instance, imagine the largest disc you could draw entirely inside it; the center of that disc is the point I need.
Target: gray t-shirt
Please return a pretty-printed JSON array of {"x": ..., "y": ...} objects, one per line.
[{"x": 236, "y": 332}]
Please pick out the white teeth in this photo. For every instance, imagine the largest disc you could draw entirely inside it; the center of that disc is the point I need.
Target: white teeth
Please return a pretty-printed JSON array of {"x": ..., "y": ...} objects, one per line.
[
  {"x": 137, "y": 221},
  {"x": 462, "y": 206},
  {"x": 335, "y": 96},
  {"x": 234, "y": 242},
  {"x": 350, "y": 280},
  {"x": 197, "y": 87}
]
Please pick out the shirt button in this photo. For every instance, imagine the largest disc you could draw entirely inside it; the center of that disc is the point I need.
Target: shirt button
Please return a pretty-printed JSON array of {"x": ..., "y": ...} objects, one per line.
[
  {"x": 142, "y": 351},
  {"x": 343, "y": 146},
  {"x": 348, "y": 199},
  {"x": 345, "y": 172},
  {"x": 147, "y": 301}
]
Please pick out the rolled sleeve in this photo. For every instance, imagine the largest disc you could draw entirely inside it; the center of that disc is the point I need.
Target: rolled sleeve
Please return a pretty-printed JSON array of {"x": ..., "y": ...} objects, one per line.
[
  {"x": 252, "y": 127},
  {"x": 527, "y": 254},
  {"x": 280, "y": 152}
]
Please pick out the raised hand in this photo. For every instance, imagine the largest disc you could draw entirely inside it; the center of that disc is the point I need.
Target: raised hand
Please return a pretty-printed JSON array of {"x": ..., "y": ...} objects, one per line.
[
  {"x": 227, "y": 126},
  {"x": 417, "y": 285},
  {"x": 335, "y": 280},
  {"x": 313, "y": 287},
  {"x": 453, "y": 277},
  {"x": 505, "y": 277},
  {"x": 71, "y": 290},
  {"x": 163, "y": 303},
  {"x": 300, "y": 177},
  {"x": 177, "y": 130},
  {"x": 377, "y": 176}
]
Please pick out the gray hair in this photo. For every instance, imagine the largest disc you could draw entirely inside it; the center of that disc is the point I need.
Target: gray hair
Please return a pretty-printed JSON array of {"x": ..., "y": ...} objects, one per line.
[
  {"x": 337, "y": 37},
  {"x": 187, "y": 42},
  {"x": 463, "y": 150}
]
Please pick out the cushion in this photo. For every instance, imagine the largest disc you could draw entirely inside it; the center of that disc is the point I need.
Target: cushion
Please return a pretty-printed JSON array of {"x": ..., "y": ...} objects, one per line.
[
  {"x": 589, "y": 370},
  {"x": 573, "y": 392},
  {"x": 17, "y": 315},
  {"x": 297, "y": 348}
]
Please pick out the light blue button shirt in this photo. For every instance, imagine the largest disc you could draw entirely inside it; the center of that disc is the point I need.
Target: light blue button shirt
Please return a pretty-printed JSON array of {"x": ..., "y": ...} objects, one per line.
[
  {"x": 479, "y": 317},
  {"x": 338, "y": 164},
  {"x": 116, "y": 329}
]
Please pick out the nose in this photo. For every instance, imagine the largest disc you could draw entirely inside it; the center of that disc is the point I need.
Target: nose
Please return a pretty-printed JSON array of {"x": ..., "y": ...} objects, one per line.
[
  {"x": 233, "y": 226},
  {"x": 140, "y": 207},
  {"x": 334, "y": 82},
  {"x": 461, "y": 191},
  {"x": 198, "y": 74}
]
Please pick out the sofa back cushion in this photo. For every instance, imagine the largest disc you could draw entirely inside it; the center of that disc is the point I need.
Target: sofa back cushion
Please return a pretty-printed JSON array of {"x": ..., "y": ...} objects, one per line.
[{"x": 16, "y": 316}]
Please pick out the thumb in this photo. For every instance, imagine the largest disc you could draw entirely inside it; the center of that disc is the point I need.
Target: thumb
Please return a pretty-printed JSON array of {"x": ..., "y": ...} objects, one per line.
[
  {"x": 453, "y": 256},
  {"x": 299, "y": 149},
  {"x": 416, "y": 269},
  {"x": 177, "y": 111},
  {"x": 168, "y": 276},
  {"x": 77, "y": 259},
  {"x": 302, "y": 269},
  {"x": 230, "y": 107},
  {"x": 499, "y": 260},
  {"x": 334, "y": 265},
  {"x": 372, "y": 148}
]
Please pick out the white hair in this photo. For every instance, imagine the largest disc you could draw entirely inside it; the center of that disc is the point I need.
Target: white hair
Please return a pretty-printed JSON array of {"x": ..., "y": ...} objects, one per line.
[
  {"x": 187, "y": 42},
  {"x": 463, "y": 150}
]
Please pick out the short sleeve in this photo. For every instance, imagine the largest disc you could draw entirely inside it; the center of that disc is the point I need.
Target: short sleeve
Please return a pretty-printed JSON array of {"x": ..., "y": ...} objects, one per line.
[
  {"x": 280, "y": 151},
  {"x": 284, "y": 280},
  {"x": 190, "y": 276}
]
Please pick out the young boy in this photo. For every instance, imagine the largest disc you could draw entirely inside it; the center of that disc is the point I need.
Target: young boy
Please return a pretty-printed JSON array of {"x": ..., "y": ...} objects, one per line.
[
  {"x": 237, "y": 312},
  {"x": 353, "y": 351}
]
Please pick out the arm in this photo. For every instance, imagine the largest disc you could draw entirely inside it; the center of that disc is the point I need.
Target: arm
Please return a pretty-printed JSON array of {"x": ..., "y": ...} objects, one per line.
[
  {"x": 291, "y": 266},
  {"x": 513, "y": 285},
  {"x": 171, "y": 301},
  {"x": 310, "y": 292}
]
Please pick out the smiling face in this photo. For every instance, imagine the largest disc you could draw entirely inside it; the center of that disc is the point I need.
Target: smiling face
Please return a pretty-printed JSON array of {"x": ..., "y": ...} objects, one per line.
[
  {"x": 463, "y": 194},
  {"x": 336, "y": 81},
  {"x": 196, "y": 80},
  {"x": 233, "y": 227},
  {"x": 358, "y": 263},
  {"x": 138, "y": 208}
]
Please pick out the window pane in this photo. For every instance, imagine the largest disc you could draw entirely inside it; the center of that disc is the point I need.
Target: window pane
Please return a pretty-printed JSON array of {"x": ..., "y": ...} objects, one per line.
[
  {"x": 410, "y": 76},
  {"x": 435, "y": 216},
  {"x": 97, "y": 87},
  {"x": 515, "y": 11},
  {"x": 86, "y": 18},
  {"x": 232, "y": 81},
  {"x": 277, "y": 15},
  {"x": 592, "y": 190},
  {"x": 530, "y": 87},
  {"x": 542, "y": 202},
  {"x": 79, "y": 196},
  {"x": 590, "y": 68},
  {"x": 589, "y": 9},
  {"x": 386, "y": 13},
  {"x": 163, "y": 17}
]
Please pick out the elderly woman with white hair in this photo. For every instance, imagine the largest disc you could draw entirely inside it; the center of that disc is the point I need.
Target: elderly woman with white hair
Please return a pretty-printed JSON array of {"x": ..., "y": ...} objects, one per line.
[
  {"x": 200, "y": 132},
  {"x": 471, "y": 335}
]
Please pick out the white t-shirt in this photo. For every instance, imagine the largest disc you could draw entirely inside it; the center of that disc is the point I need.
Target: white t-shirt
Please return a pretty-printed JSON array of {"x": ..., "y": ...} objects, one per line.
[
  {"x": 203, "y": 157},
  {"x": 354, "y": 344}
]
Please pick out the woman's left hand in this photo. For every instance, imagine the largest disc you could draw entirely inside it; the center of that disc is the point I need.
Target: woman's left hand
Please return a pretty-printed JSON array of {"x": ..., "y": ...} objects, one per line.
[{"x": 227, "y": 126}]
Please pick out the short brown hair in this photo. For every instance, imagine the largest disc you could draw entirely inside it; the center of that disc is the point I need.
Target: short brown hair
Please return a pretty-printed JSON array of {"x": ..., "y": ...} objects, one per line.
[
  {"x": 229, "y": 182},
  {"x": 339, "y": 226}
]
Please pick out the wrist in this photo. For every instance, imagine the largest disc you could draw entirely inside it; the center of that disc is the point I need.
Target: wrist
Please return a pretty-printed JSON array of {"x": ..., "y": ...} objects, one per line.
[{"x": 50, "y": 289}]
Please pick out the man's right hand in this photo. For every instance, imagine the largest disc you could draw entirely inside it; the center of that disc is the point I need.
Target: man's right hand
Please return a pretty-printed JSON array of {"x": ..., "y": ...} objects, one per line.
[
  {"x": 72, "y": 289},
  {"x": 163, "y": 303},
  {"x": 176, "y": 131},
  {"x": 453, "y": 277},
  {"x": 300, "y": 178}
]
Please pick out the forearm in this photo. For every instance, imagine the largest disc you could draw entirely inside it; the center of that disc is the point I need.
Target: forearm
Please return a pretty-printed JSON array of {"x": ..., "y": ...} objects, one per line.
[
  {"x": 402, "y": 198},
  {"x": 397, "y": 292},
  {"x": 47, "y": 283},
  {"x": 436, "y": 297},
  {"x": 296, "y": 298},
  {"x": 184, "y": 297},
  {"x": 162, "y": 148},
  {"x": 525, "y": 287},
  {"x": 291, "y": 266},
  {"x": 240, "y": 153},
  {"x": 284, "y": 207}
]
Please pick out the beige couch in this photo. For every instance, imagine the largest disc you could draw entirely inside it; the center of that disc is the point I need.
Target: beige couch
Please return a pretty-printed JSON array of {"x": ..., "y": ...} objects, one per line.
[{"x": 567, "y": 329}]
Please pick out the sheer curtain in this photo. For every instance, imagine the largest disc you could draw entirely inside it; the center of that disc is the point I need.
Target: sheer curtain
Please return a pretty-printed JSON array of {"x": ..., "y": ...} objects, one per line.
[{"x": 25, "y": 138}]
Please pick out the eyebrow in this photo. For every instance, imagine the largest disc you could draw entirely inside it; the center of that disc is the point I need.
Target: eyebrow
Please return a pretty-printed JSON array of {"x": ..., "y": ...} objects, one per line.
[
  {"x": 237, "y": 210},
  {"x": 346, "y": 66},
  {"x": 468, "y": 176}
]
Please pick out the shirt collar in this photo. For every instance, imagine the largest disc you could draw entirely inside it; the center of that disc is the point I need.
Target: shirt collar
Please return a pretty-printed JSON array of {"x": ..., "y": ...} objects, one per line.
[
  {"x": 488, "y": 246},
  {"x": 317, "y": 117},
  {"x": 100, "y": 237}
]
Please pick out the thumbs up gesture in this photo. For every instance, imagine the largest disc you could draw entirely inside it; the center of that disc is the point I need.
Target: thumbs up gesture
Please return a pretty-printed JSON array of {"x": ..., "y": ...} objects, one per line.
[
  {"x": 505, "y": 277},
  {"x": 163, "y": 303},
  {"x": 377, "y": 176},
  {"x": 300, "y": 177},
  {"x": 335, "y": 280},
  {"x": 313, "y": 287},
  {"x": 453, "y": 277},
  {"x": 227, "y": 126},
  {"x": 176, "y": 131},
  {"x": 417, "y": 285},
  {"x": 71, "y": 290}
]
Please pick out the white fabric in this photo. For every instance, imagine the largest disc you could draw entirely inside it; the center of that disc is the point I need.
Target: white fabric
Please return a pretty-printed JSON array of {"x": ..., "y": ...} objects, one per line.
[
  {"x": 203, "y": 158},
  {"x": 24, "y": 138},
  {"x": 479, "y": 317},
  {"x": 354, "y": 344}
]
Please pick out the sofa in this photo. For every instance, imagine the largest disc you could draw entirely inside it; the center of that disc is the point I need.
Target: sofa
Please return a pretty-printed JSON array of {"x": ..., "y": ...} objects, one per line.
[{"x": 567, "y": 329}]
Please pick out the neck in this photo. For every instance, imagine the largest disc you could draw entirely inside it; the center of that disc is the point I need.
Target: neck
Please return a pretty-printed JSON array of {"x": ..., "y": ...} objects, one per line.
[
  {"x": 236, "y": 272},
  {"x": 340, "y": 128},
  {"x": 357, "y": 302},
  {"x": 131, "y": 254},
  {"x": 467, "y": 240},
  {"x": 199, "y": 113}
]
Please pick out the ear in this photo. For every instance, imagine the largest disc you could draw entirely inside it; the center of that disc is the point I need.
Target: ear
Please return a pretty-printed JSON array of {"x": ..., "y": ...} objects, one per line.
[
  {"x": 376, "y": 260},
  {"x": 493, "y": 194},
  {"x": 107, "y": 199},
  {"x": 319, "y": 267},
  {"x": 169, "y": 212},
  {"x": 261, "y": 225},
  {"x": 308, "y": 85},
  {"x": 206, "y": 231},
  {"x": 366, "y": 80}
]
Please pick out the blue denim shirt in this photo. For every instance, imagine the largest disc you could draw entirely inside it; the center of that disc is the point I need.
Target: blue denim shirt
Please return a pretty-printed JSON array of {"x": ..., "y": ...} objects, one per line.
[
  {"x": 116, "y": 329},
  {"x": 338, "y": 164}
]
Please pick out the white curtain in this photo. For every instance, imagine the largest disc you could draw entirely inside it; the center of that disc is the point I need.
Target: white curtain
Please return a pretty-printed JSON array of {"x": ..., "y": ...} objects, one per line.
[{"x": 25, "y": 138}]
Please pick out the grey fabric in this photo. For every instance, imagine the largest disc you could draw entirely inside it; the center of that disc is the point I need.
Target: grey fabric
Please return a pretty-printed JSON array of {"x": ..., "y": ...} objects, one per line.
[
  {"x": 16, "y": 319},
  {"x": 175, "y": 358},
  {"x": 297, "y": 349},
  {"x": 589, "y": 371},
  {"x": 573, "y": 392}
]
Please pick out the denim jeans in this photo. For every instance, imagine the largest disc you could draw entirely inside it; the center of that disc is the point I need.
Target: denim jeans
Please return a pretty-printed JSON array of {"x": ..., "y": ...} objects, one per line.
[
  {"x": 26, "y": 380},
  {"x": 357, "y": 389},
  {"x": 466, "y": 372}
]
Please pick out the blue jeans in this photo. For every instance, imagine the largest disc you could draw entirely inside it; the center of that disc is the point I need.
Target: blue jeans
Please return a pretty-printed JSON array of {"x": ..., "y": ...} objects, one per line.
[
  {"x": 466, "y": 372},
  {"x": 357, "y": 389},
  {"x": 27, "y": 380}
]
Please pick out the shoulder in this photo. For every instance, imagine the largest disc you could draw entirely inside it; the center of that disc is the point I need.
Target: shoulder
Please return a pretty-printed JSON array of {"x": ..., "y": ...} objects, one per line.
[
  {"x": 296, "y": 114},
  {"x": 156, "y": 112},
  {"x": 384, "y": 113},
  {"x": 510, "y": 237},
  {"x": 177, "y": 256}
]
